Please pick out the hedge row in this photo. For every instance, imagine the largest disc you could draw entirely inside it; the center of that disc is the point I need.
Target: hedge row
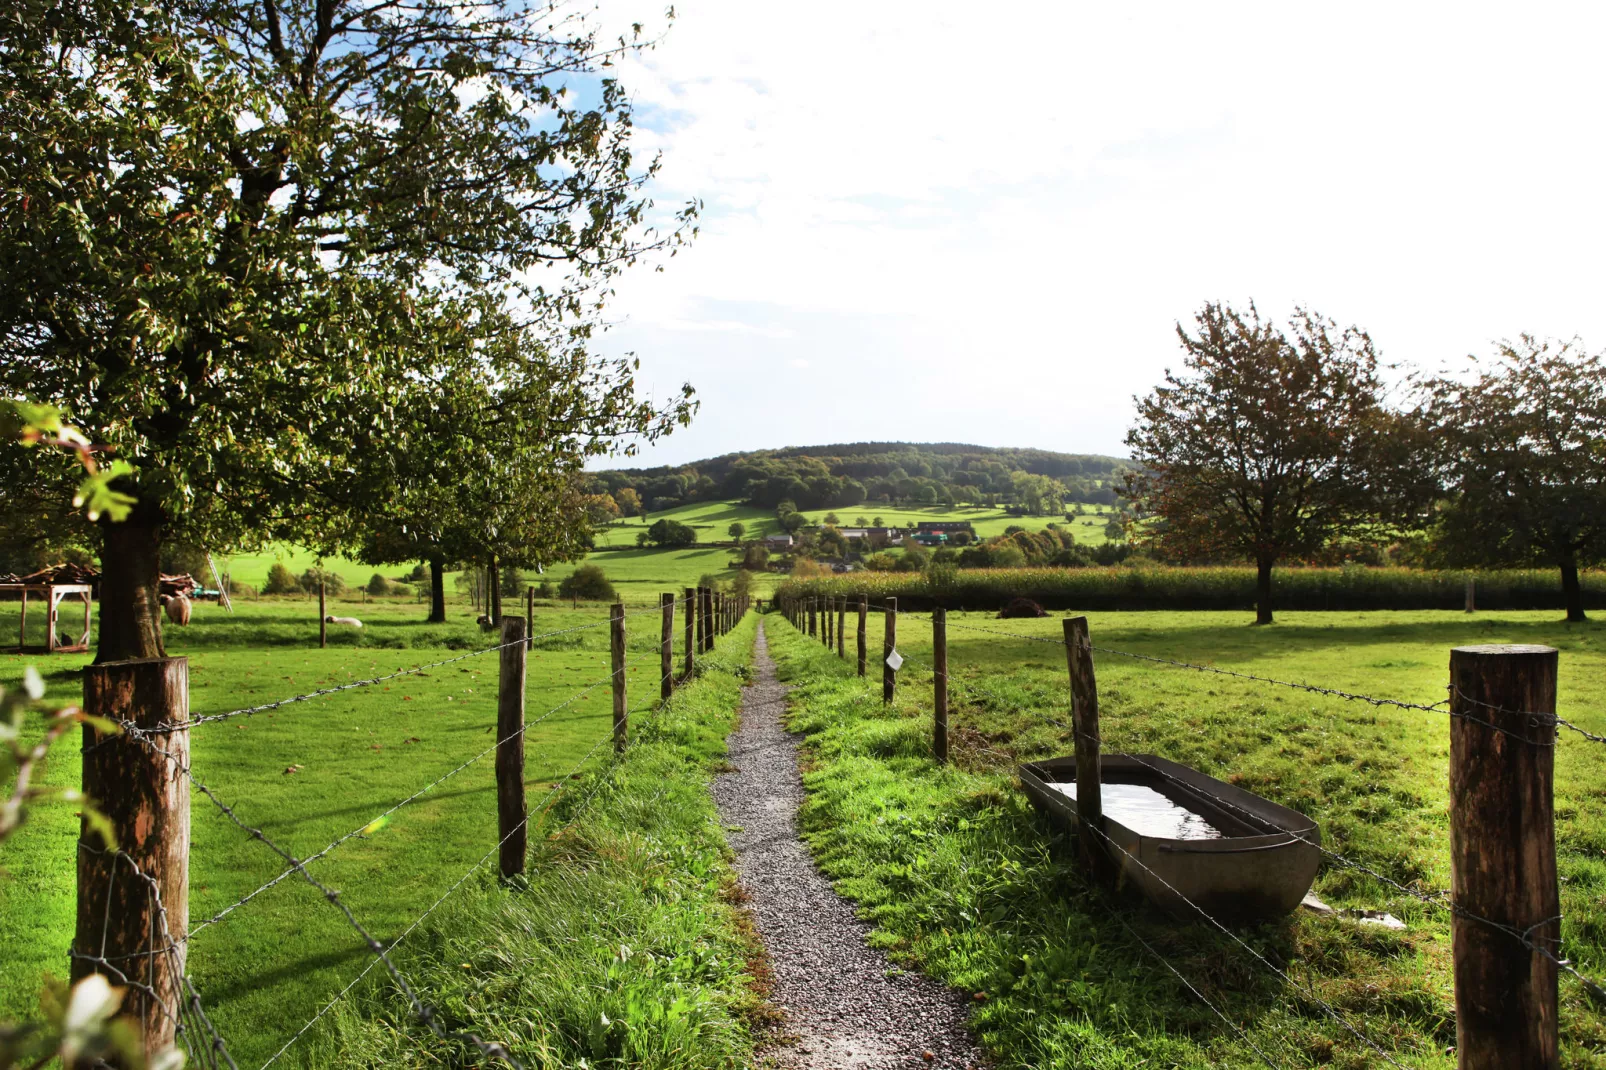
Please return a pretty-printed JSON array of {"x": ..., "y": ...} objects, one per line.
[{"x": 1153, "y": 587}]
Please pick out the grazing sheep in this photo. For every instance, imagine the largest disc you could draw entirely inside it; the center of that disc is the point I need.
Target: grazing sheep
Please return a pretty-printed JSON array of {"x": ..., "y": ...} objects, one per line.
[
  {"x": 352, "y": 621},
  {"x": 177, "y": 608}
]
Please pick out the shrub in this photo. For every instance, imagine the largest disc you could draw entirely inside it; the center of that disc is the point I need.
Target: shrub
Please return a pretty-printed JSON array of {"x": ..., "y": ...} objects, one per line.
[
  {"x": 881, "y": 562},
  {"x": 281, "y": 581},
  {"x": 588, "y": 582},
  {"x": 1021, "y": 607},
  {"x": 545, "y": 590},
  {"x": 512, "y": 582},
  {"x": 333, "y": 582},
  {"x": 378, "y": 585},
  {"x": 419, "y": 574}
]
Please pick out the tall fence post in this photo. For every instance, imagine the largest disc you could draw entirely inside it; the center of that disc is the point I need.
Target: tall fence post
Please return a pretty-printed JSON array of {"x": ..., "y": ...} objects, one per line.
[
  {"x": 939, "y": 677},
  {"x": 864, "y": 610},
  {"x": 323, "y": 619},
  {"x": 1085, "y": 727},
  {"x": 666, "y": 646},
  {"x": 1503, "y": 856},
  {"x": 841, "y": 626},
  {"x": 697, "y": 615},
  {"x": 813, "y": 618},
  {"x": 690, "y": 598},
  {"x": 708, "y": 618},
  {"x": 830, "y": 617},
  {"x": 621, "y": 718},
  {"x": 132, "y": 902},
  {"x": 1472, "y": 594},
  {"x": 512, "y": 815},
  {"x": 889, "y": 643},
  {"x": 529, "y": 612}
]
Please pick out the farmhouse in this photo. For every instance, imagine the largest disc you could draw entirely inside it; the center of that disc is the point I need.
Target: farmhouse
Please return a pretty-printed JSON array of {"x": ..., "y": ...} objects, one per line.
[{"x": 777, "y": 542}]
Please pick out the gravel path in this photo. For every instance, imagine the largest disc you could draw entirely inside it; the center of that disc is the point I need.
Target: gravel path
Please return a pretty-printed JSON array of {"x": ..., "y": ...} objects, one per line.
[{"x": 846, "y": 1010}]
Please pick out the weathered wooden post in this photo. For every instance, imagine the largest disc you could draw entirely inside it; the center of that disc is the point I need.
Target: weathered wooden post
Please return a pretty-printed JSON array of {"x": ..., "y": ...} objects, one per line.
[
  {"x": 708, "y": 618},
  {"x": 841, "y": 626},
  {"x": 1472, "y": 592},
  {"x": 511, "y": 813},
  {"x": 830, "y": 613},
  {"x": 529, "y": 612},
  {"x": 666, "y": 646},
  {"x": 1085, "y": 728},
  {"x": 691, "y": 629},
  {"x": 889, "y": 643},
  {"x": 1503, "y": 856},
  {"x": 124, "y": 895},
  {"x": 323, "y": 619},
  {"x": 939, "y": 677},
  {"x": 813, "y": 629},
  {"x": 864, "y": 609},
  {"x": 621, "y": 718}
]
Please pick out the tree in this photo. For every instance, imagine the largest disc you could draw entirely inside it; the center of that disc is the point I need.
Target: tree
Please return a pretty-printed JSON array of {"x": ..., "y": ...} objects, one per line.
[
  {"x": 215, "y": 267},
  {"x": 1520, "y": 448},
  {"x": 280, "y": 580},
  {"x": 755, "y": 558},
  {"x": 790, "y": 522},
  {"x": 588, "y": 582},
  {"x": 1269, "y": 446},
  {"x": 877, "y": 523},
  {"x": 832, "y": 520},
  {"x": 667, "y": 532},
  {"x": 736, "y": 530},
  {"x": 628, "y": 500}
]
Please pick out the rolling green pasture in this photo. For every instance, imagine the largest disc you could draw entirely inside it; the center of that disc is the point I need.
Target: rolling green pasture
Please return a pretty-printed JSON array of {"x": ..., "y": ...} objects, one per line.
[
  {"x": 640, "y": 575},
  {"x": 964, "y": 880},
  {"x": 712, "y": 521},
  {"x": 270, "y": 965}
]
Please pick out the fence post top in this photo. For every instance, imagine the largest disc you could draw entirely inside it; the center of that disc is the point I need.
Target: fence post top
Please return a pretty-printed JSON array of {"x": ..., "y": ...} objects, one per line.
[
  {"x": 182, "y": 659},
  {"x": 1519, "y": 649}
]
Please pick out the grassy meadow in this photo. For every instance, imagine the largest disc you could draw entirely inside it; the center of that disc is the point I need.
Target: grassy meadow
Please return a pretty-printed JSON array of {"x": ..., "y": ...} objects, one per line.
[
  {"x": 310, "y": 773},
  {"x": 712, "y": 520},
  {"x": 963, "y": 880}
]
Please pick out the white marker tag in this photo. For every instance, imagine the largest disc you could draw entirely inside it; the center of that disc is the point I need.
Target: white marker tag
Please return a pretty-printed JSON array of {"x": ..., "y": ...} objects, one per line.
[{"x": 895, "y": 661}]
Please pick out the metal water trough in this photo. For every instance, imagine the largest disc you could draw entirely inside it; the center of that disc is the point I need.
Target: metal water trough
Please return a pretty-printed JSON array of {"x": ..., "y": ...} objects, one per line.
[{"x": 1256, "y": 869}]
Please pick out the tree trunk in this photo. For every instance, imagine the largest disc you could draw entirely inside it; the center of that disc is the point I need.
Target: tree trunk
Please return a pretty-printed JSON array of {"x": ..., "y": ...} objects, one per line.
[
  {"x": 1571, "y": 592},
  {"x": 1263, "y": 591},
  {"x": 130, "y": 589},
  {"x": 437, "y": 590},
  {"x": 493, "y": 581}
]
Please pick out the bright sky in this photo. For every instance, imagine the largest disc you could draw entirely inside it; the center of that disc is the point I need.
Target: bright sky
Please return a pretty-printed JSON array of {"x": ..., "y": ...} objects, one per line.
[{"x": 980, "y": 223}]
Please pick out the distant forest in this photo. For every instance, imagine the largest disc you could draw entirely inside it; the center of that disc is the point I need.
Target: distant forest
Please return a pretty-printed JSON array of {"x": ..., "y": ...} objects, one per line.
[{"x": 896, "y": 473}]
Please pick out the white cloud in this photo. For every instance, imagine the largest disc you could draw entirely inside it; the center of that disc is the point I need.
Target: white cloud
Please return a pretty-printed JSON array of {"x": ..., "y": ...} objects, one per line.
[{"x": 983, "y": 222}]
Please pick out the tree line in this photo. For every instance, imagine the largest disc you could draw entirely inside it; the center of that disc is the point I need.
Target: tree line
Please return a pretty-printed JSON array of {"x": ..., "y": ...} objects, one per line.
[
  {"x": 1276, "y": 441},
  {"x": 324, "y": 272}
]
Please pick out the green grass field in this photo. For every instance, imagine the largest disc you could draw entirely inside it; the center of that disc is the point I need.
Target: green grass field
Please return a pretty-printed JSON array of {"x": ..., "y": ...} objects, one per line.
[
  {"x": 712, "y": 520},
  {"x": 272, "y": 964},
  {"x": 965, "y": 881}
]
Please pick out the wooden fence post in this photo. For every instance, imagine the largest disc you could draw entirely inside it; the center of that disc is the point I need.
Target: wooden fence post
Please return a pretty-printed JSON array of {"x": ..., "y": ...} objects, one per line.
[
  {"x": 708, "y": 618},
  {"x": 512, "y": 814},
  {"x": 889, "y": 643},
  {"x": 1503, "y": 856},
  {"x": 1472, "y": 593},
  {"x": 939, "y": 677},
  {"x": 830, "y": 616},
  {"x": 864, "y": 610},
  {"x": 1085, "y": 729},
  {"x": 621, "y": 718},
  {"x": 841, "y": 626},
  {"x": 323, "y": 619},
  {"x": 666, "y": 646},
  {"x": 691, "y": 629},
  {"x": 813, "y": 629},
  {"x": 529, "y": 612},
  {"x": 146, "y": 797}
]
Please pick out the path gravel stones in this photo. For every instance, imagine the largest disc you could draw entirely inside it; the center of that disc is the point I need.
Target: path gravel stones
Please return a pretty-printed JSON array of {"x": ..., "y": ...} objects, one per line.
[{"x": 850, "y": 1008}]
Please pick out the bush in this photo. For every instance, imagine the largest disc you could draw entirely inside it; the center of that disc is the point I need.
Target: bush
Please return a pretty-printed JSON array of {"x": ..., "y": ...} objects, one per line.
[
  {"x": 545, "y": 590},
  {"x": 419, "y": 574},
  {"x": 588, "y": 582},
  {"x": 281, "y": 581},
  {"x": 333, "y": 582},
  {"x": 378, "y": 585},
  {"x": 512, "y": 582}
]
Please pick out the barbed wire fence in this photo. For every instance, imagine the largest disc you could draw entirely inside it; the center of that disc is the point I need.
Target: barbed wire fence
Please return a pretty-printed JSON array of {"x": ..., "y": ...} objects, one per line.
[
  {"x": 1533, "y": 727},
  {"x": 137, "y": 765}
]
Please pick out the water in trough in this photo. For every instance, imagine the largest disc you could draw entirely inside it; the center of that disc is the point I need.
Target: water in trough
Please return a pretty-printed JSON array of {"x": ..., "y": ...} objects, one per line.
[{"x": 1149, "y": 813}]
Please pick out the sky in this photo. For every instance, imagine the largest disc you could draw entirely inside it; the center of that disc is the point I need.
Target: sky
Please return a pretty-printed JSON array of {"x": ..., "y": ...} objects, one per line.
[{"x": 982, "y": 223}]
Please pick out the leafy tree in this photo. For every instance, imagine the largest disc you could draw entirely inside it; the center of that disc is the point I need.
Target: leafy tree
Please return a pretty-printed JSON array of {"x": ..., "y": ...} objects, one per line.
[
  {"x": 737, "y": 530},
  {"x": 378, "y": 585},
  {"x": 832, "y": 519},
  {"x": 877, "y": 523},
  {"x": 914, "y": 558},
  {"x": 281, "y": 580},
  {"x": 1274, "y": 441},
  {"x": 755, "y": 558},
  {"x": 791, "y": 522},
  {"x": 860, "y": 522},
  {"x": 628, "y": 500},
  {"x": 587, "y": 582},
  {"x": 667, "y": 532},
  {"x": 1520, "y": 446},
  {"x": 215, "y": 268},
  {"x": 333, "y": 582}
]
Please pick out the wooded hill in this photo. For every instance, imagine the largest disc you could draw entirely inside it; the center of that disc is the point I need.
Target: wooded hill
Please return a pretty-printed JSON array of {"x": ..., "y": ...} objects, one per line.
[{"x": 817, "y": 477}]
